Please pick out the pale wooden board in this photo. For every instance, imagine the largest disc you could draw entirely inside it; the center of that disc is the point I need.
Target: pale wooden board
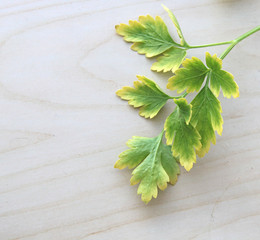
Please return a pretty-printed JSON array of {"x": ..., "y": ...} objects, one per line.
[{"x": 62, "y": 127}]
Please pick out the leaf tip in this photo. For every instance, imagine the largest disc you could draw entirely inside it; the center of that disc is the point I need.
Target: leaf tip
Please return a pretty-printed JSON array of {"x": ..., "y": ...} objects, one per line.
[
  {"x": 118, "y": 92},
  {"x": 164, "y": 185},
  {"x": 188, "y": 166},
  {"x": 174, "y": 180},
  {"x": 236, "y": 94},
  {"x": 118, "y": 165},
  {"x": 133, "y": 181},
  {"x": 145, "y": 200}
]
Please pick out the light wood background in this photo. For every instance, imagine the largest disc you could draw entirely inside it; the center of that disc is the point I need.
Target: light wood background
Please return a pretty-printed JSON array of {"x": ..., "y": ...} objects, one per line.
[{"x": 62, "y": 127}]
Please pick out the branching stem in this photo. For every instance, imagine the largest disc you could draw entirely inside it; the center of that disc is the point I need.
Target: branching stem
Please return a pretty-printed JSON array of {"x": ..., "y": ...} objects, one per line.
[
  {"x": 237, "y": 40},
  {"x": 232, "y": 43}
]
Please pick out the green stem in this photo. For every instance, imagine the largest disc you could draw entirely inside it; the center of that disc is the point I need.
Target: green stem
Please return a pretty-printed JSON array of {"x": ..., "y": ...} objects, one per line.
[
  {"x": 237, "y": 40},
  {"x": 207, "y": 79},
  {"x": 209, "y": 45},
  {"x": 181, "y": 96}
]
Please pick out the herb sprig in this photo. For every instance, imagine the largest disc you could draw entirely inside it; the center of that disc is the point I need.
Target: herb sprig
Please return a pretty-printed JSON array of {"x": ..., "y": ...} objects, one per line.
[{"x": 190, "y": 128}]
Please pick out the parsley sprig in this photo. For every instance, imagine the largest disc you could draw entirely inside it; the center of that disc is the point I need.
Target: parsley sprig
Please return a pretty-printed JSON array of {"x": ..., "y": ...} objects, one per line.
[{"x": 190, "y": 128}]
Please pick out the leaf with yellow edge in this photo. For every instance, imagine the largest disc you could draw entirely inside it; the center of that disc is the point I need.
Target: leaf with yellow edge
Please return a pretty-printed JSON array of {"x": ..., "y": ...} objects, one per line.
[
  {"x": 220, "y": 78},
  {"x": 206, "y": 118},
  {"x": 190, "y": 77},
  {"x": 176, "y": 24},
  {"x": 146, "y": 94},
  {"x": 155, "y": 165},
  {"x": 150, "y": 36},
  {"x": 170, "y": 60},
  {"x": 170, "y": 164},
  {"x": 193, "y": 74},
  {"x": 140, "y": 148},
  {"x": 184, "y": 136}
]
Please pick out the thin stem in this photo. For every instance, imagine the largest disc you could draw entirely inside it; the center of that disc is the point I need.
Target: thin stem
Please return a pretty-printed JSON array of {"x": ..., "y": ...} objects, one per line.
[
  {"x": 209, "y": 45},
  {"x": 237, "y": 40},
  {"x": 207, "y": 79},
  {"x": 181, "y": 96}
]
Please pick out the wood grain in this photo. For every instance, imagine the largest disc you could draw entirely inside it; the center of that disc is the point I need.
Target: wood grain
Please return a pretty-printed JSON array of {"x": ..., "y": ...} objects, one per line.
[{"x": 62, "y": 127}]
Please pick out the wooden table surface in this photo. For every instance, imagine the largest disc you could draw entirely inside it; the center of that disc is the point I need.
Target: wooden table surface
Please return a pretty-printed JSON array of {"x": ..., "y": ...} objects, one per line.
[{"x": 62, "y": 126}]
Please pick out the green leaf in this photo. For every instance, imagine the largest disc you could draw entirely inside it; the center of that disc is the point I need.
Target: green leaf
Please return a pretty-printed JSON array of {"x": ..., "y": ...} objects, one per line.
[
  {"x": 170, "y": 164},
  {"x": 206, "y": 118},
  {"x": 146, "y": 94},
  {"x": 186, "y": 137},
  {"x": 176, "y": 24},
  {"x": 155, "y": 165},
  {"x": 150, "y": 36},
  {"x": 220, "y": 78},
  {"x": 140, "y": 148},
  {"x": 170, "y": 60},
  {"x": 193, "y": 73},
  {"x": 190, "y": 77},
  {"x": 213, "y": 62}
]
